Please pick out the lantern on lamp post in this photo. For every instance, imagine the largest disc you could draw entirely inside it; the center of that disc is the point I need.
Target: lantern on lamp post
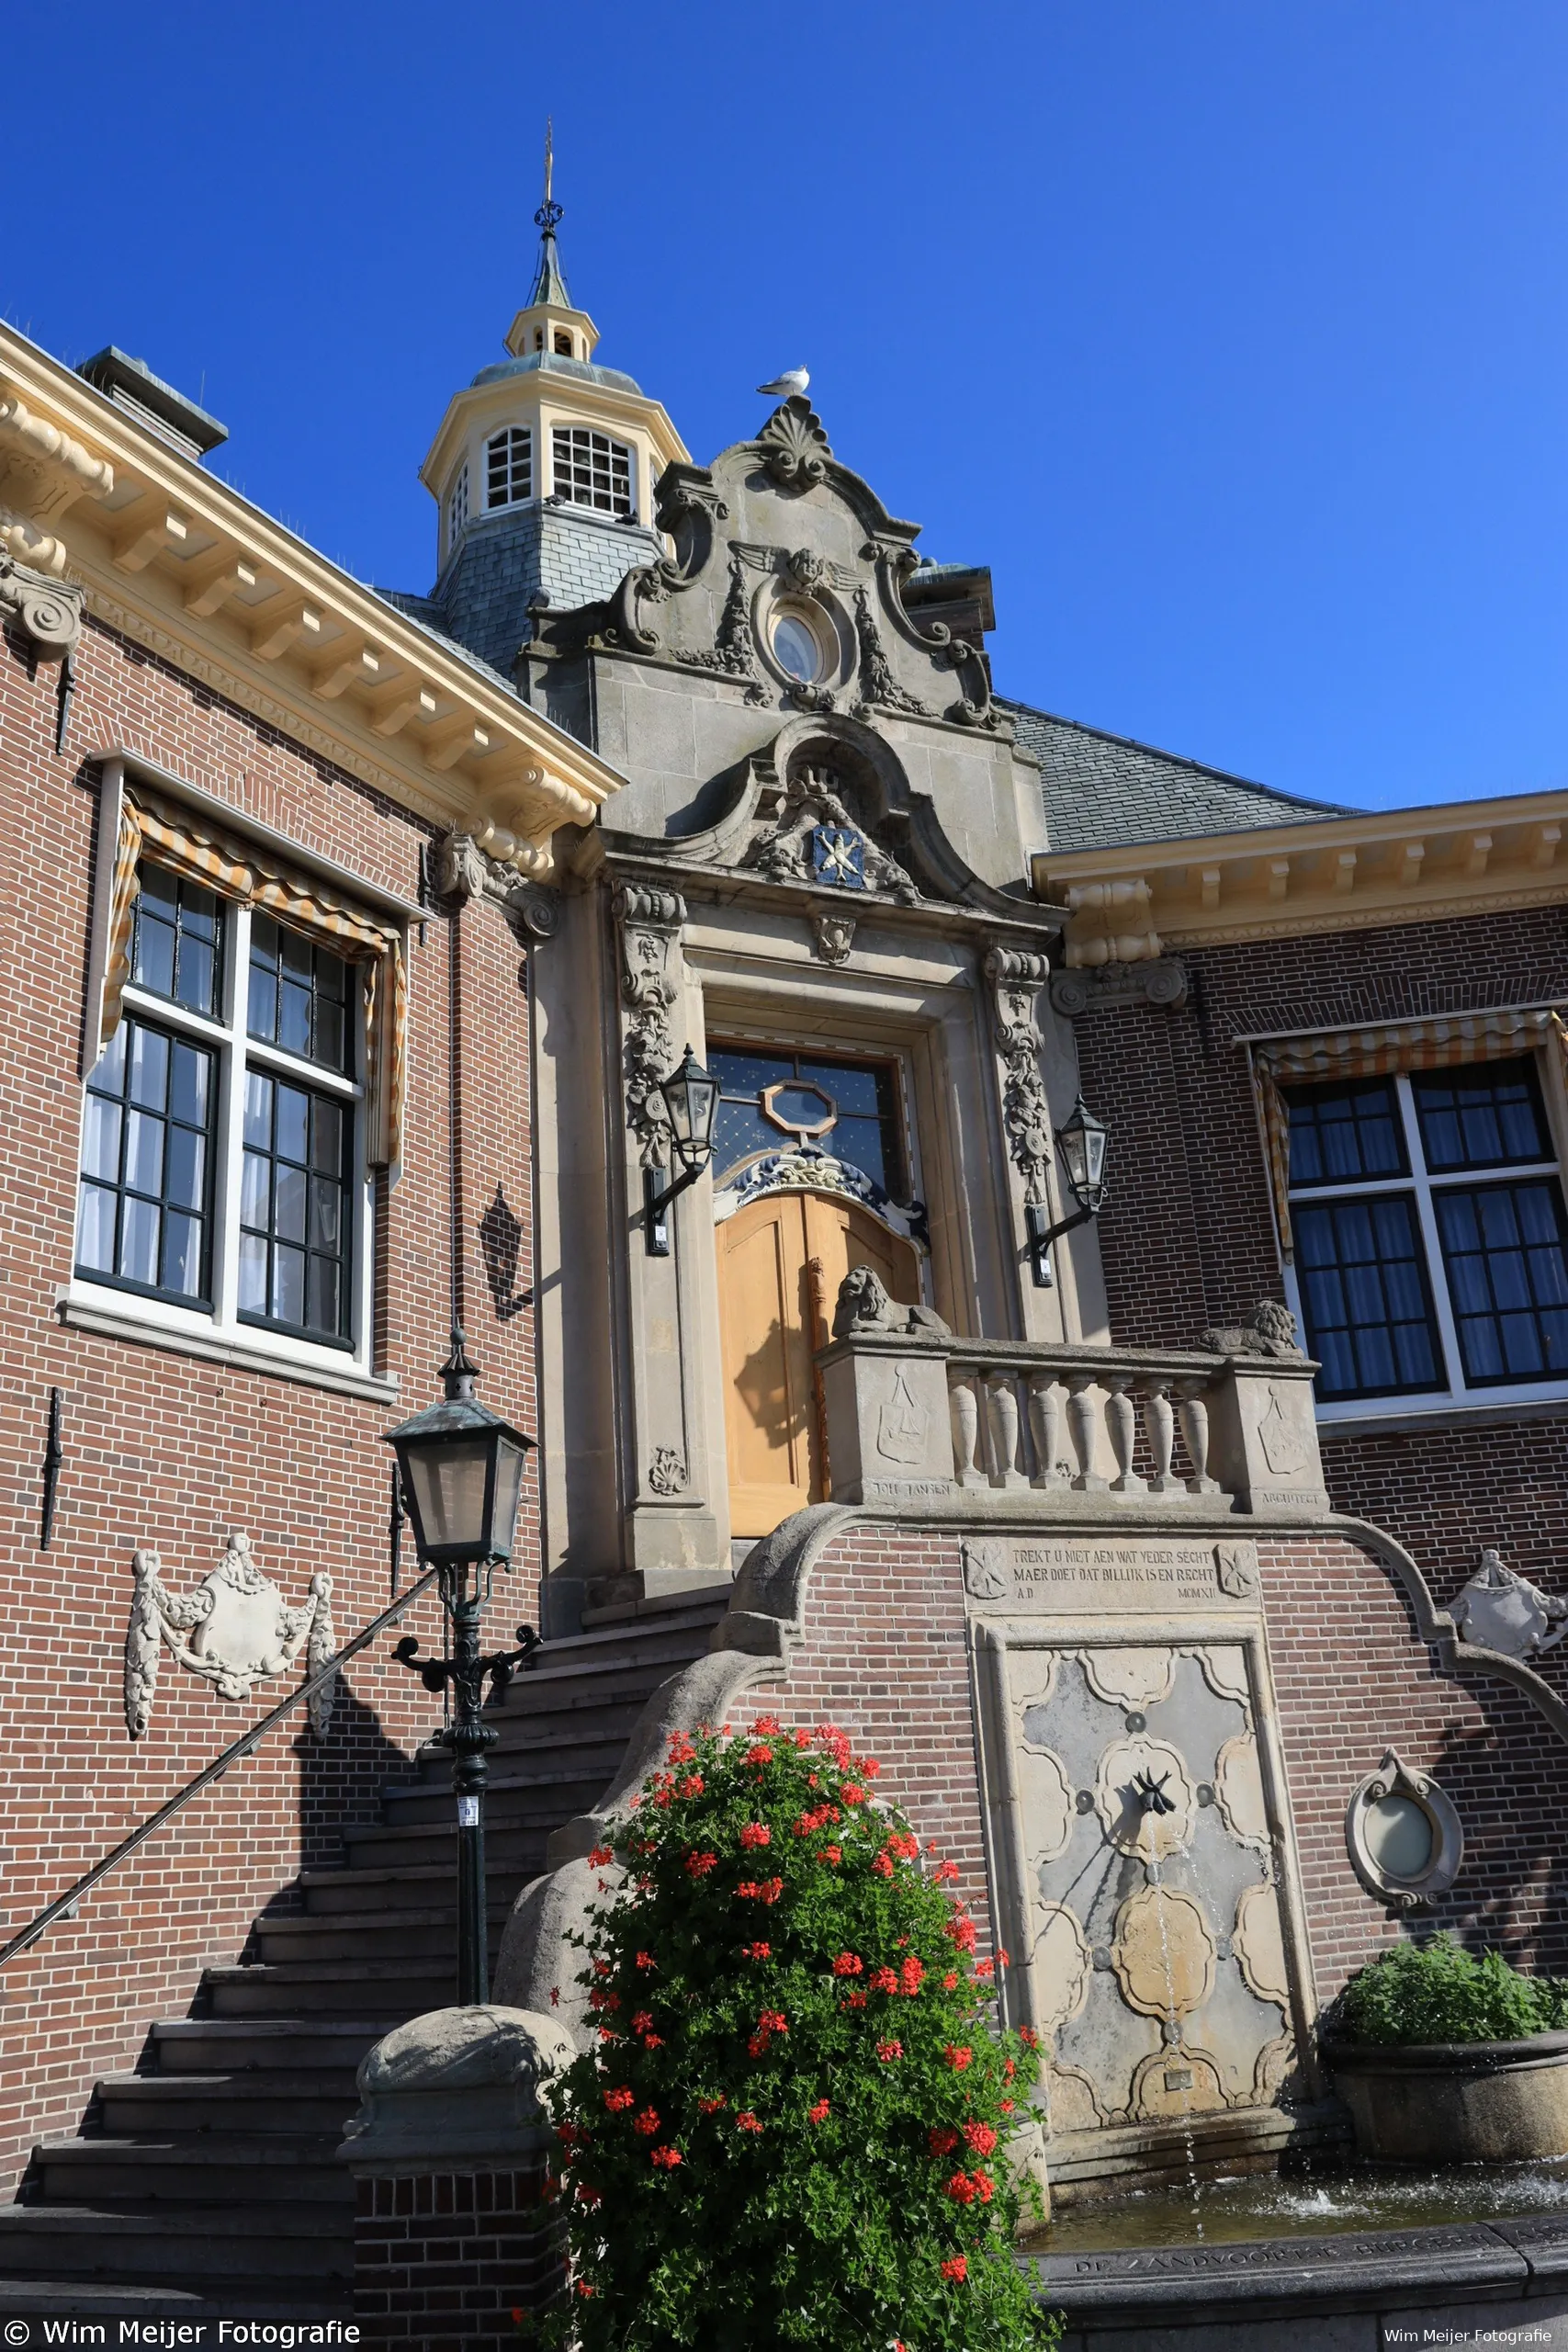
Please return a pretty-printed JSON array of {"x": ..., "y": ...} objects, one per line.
[
  {"x": 1081, "y": 1141},
  {"x": 690, "y": 1095},
  {"x": 460, "y": 1470}
]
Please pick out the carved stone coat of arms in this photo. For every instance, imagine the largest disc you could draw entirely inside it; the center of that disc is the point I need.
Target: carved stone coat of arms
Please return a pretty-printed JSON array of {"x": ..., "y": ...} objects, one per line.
[{"x": 233, "y": 1629}]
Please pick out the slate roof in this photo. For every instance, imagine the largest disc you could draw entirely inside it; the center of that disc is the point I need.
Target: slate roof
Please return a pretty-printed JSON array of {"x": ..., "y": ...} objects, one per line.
[{"x": 1103, "y": 790}]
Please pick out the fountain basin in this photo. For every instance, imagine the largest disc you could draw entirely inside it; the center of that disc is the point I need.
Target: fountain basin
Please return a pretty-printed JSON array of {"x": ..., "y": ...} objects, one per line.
[{"x": 1456, "y": 2102}]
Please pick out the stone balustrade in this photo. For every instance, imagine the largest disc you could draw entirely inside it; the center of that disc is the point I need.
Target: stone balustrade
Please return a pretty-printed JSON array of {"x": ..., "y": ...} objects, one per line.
[{"x": 915, "y": 1417}]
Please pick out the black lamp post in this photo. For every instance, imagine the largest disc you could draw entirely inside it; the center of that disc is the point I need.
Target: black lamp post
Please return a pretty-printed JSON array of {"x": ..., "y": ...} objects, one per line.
[
  {"x": 460, "y": 1468},
  {"x": 690, "y": 1106},
  {"x": 1081, "y": 1139}
]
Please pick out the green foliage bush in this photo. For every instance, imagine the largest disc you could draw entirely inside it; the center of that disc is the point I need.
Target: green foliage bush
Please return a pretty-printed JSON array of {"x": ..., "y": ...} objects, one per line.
[
  {"x": 793, "y": 2130},
  {"x": 1438, "y": 1992}
]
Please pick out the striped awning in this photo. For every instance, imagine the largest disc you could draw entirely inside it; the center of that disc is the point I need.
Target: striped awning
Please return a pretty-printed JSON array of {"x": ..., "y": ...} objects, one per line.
[
  {"x": 180, "y": 839},
  {"x": 1442, "y": 1043}
]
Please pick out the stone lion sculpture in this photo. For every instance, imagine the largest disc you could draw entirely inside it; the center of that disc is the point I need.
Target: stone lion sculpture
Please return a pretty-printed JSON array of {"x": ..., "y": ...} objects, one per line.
[
  {"x": 1272, "y": 1332},
  {"x": 863, "y": 1304}
]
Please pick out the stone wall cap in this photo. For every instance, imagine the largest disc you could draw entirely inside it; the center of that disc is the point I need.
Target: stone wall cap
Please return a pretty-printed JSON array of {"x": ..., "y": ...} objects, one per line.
[
  {"x": 483, "y": 2047},
  {"x": 1445, "y": 2057}
]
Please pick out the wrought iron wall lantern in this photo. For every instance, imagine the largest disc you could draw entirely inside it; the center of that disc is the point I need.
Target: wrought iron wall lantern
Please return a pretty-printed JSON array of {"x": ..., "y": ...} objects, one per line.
[
  {"x": 460, "y": 1475},
  {"x": 1081, "y": 1140},
  {"x": 690, "y": 1095}
]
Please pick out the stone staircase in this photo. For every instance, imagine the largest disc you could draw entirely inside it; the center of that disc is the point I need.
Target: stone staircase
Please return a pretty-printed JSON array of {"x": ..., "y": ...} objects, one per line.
[{"x": 204, "y": 2185}]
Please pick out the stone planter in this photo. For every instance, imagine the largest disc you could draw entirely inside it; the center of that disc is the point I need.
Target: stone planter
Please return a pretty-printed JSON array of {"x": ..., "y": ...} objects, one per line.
[{"x": 1456, "y": 2102}]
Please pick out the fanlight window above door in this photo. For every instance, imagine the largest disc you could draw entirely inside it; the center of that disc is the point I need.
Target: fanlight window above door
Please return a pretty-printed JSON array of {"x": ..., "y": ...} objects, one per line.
[{"x": 770, "y": 1100}]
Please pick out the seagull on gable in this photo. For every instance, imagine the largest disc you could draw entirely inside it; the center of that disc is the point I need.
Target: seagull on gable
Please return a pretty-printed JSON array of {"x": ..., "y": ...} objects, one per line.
[{"x": 785, "y": 387}]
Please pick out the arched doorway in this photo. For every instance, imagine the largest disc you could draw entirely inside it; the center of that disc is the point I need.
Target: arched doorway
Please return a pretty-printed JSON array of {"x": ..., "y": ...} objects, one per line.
[{"x": 781, "y": 1259}]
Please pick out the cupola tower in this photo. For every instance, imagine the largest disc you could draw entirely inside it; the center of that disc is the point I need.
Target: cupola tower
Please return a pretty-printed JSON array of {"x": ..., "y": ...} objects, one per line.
[{"x": 543, "y": 472}]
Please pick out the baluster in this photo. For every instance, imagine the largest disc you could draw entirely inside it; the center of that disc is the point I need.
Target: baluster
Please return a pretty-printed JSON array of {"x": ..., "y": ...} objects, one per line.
[
  {"x": 1005, "y": 1470},
  {"x": 1046, "y": 1428},
  {"x": 1123, "y": 1423},
  {"x": 1160, "y": 1423},
  {"x": 966, "y": 1411},
  {"x": 1081, "y": 1418},
  {"x": 1195, "y": 1430}
]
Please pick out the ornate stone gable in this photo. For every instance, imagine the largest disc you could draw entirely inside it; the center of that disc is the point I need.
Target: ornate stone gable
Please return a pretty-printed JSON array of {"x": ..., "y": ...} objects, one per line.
[{"x": 807, "y": 833}]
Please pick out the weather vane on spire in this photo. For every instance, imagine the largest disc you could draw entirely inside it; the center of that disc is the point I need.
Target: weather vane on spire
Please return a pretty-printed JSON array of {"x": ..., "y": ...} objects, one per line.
[{"x": 550, "y": 212}]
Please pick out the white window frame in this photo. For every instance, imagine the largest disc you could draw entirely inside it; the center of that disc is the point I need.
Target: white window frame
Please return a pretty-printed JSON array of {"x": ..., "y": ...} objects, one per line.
[
  {"x": 625, "y": 449},
  {"x": 509, "y": 435},
  {"x": 458, "y": 507},
  {"x": 217, "y": 1333},
  {"x": 1419, "y": 1186}
]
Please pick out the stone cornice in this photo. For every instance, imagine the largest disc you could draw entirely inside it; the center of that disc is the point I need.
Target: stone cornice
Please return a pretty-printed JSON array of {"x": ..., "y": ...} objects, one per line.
[
  {"x": 1342, "y": 873},
  {"x": 172, "y": 558}
]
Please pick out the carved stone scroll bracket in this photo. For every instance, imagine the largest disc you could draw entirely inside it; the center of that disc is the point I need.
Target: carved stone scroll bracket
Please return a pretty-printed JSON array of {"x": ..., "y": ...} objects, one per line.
[
  {"x": 232, "y": 1630},
  {"x": 1016, "y": 980},
  {"x": 1162, "y": 984},
  {"x": 46, "y": 610},
  {"x": 649, "y": 923}
]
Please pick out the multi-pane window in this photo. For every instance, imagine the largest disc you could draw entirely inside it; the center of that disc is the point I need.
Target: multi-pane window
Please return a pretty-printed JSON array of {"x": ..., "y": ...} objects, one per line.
[
  {"x": 1431, "y": 1241},
  {"x": 589, "y": 470},
  {"x": 508, "y": 465},
  {"x": 144, "y": 1215},
  {"x": 773, "y": 1101},
  {"x": 458, "y": 507},
  {"x": 220, "y": 1147}
]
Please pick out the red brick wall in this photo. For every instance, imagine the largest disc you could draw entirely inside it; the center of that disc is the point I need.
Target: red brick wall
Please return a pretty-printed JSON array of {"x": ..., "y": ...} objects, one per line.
[
  {"x": 885, "y": 1657},
  {"x": 1351, "y": 1680},
  {"x": 169, "y": 1452},
  {"x": 444, "y": 2259},
  {"x": 1188, "y": 1235}
]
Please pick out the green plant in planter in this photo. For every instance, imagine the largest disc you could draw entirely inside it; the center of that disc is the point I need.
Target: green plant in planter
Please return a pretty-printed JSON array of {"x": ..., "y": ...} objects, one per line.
[
  {"x": 793, "y": 2130},
  {"x": 1438, "y": 1992}
]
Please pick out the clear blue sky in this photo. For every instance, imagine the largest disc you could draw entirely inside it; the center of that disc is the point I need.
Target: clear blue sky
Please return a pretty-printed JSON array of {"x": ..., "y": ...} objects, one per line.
[{"x": 1232, "y": 334}]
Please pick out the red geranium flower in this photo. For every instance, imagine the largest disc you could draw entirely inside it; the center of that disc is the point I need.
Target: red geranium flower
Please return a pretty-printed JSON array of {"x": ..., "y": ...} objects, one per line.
[
  {"x": 746, "y": 2122},
  {"x": 957, "y": 2267},
  {"x": 647, "y": 2122},
  {"x": 818, "y": 2114},
  {"x": 667, "y": 2158},
  {"x": 958, "y": 2059},
  {"x": 848, "y": 1963},
  {"x": 756, "y": 1833}
]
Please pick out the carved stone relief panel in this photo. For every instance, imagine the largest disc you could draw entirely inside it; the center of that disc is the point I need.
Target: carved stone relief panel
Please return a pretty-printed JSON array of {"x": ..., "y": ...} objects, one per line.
[
  {"x": 233, "y": 1629},
  {"x": 1148, "y": 1869},
  {"x": 649, "y": 923},
  {"x": 1016, "y": 980}
]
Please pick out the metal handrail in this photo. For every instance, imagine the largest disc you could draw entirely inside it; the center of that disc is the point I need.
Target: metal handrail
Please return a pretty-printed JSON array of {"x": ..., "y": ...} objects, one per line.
[{"x": 65, "y": 1903}]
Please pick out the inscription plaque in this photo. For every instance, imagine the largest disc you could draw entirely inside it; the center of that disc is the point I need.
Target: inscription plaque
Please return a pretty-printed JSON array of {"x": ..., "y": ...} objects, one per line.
[{"x": 1080, "y": 1573}]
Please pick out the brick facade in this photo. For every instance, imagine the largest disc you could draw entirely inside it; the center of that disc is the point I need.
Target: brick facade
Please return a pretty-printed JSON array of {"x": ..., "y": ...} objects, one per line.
[
  {"x": 164, "y": 1449},
  {"x": 445, "y": 2259},
  {"x": 1188, "y": 1232}
]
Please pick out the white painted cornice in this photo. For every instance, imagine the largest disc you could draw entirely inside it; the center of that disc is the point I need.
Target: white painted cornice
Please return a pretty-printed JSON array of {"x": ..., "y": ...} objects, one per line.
[
  {"x": 174, "y": 560},
  {"x": 1340, "y": 873}
]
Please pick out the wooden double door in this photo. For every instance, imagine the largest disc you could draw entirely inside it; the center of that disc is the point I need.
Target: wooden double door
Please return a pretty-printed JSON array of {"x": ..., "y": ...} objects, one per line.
[{"x": 781, "y": 1261}]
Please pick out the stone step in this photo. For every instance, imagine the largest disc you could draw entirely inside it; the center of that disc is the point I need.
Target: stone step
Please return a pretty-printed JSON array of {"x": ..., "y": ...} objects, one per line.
[
  {"x": 332, "y": 1893},
  {"x": 513, "y": 1799},
  {"x": 222, "y": 2045},
  {"x": 523, "y": 1763},
  {"x": 324, "y": 1988},
  {"x": 108, "y": 2301},
  {"x": 301, "y": 2102},
  {"x": 425, "y": 1935},
  {"x": 509, "y": 1849},
  {"x": 256, "y": 2170},
  {"x": 273, "y": 2243},
  {"x": 594, "y": 1738}
]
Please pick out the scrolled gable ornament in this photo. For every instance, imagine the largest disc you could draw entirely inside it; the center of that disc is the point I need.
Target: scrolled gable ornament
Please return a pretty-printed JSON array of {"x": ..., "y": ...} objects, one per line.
[{"x": 232, "y": 1630}]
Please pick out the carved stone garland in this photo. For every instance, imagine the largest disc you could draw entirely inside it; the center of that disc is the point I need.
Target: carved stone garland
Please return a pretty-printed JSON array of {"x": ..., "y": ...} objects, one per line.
[
  {"x": 232, "y": 1629},
  {"x": 649, "y": 922},
  {"x": 1016, "y": 980},
  {"x": 879, "y": 688},
  {"x": 734, "y": 653}
]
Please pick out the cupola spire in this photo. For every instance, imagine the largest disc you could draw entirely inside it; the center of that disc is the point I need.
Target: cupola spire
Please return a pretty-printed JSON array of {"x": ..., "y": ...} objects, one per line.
[
  {"x": 549, "y": 285},
  {"x": 548, "y": 327}
]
